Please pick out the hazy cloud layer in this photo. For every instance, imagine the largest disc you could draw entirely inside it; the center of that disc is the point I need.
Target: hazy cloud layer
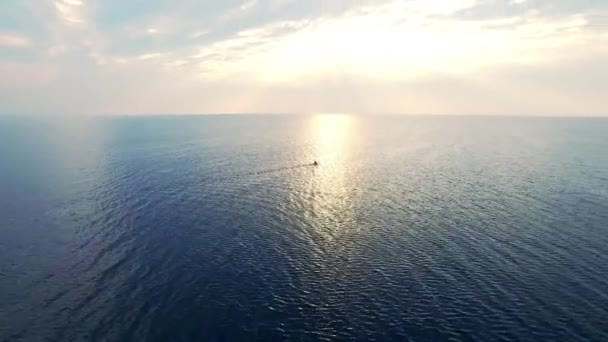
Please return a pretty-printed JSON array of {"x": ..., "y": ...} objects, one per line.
[{"x": 536, "y": 57}]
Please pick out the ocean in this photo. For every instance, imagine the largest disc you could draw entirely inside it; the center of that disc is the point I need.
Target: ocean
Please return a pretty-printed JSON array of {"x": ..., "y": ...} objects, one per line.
[{"x": 220, "y": 228}]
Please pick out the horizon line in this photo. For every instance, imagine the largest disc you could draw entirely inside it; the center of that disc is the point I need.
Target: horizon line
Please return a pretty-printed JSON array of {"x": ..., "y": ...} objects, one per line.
[{"x": 122, "y": 115}]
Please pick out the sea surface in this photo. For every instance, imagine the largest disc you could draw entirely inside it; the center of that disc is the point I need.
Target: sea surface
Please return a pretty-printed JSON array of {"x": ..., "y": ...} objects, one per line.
[{"x": 219, "y": 228}]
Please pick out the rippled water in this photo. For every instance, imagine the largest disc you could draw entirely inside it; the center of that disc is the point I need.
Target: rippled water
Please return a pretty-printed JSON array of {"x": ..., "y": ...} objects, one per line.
[{"x": 218, "y": 228}]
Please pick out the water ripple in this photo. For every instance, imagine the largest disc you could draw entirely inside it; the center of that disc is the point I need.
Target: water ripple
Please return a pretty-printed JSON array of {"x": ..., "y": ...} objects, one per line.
[{"x": 422, "y": 230}]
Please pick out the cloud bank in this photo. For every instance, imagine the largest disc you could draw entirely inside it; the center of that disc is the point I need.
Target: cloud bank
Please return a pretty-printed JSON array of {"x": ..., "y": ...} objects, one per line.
[{"x": 522, "y": 57}]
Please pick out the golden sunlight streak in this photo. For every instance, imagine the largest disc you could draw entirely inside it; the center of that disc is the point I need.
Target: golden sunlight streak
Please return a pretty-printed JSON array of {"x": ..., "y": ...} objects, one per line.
[{"x": 332, "y": 141}]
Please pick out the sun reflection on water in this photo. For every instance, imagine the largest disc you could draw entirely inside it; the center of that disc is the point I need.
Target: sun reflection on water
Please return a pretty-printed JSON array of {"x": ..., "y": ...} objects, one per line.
[{"x": 332, "y": 137}]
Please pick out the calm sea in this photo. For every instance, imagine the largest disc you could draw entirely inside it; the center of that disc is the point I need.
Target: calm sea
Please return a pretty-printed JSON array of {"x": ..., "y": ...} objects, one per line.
[{"x": 219, "y": 228}]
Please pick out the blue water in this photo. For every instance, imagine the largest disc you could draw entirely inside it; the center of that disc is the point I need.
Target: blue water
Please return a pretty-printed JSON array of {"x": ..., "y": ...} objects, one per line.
[{"x": 218, "y": 228}]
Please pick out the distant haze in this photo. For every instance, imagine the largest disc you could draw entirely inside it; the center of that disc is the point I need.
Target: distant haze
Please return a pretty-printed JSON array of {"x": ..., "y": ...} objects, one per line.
[{"x": 521, "y": 57}]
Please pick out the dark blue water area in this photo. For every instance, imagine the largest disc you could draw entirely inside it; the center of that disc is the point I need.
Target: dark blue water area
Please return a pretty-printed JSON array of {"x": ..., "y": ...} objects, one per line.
[{"x": 219, "y": 228}]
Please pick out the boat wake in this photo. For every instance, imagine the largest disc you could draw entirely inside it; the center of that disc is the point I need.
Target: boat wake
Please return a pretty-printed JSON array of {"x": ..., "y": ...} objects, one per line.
[
  {"x": 285, "y": 168},
  {"x": 262, "y": 172}
]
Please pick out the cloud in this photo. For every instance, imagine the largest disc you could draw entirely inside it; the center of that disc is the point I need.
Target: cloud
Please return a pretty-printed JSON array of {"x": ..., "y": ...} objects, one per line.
[
  {"x": 12, "y": 40},
  {"x": 248, "y": 5},
  {"x": 389, "y": 42},
  {"x": 492, "y": 9},
  {"x": 70, "y": 11},
  {"x": 149, "y": 56},
  {"x": 482, "y": 56}
]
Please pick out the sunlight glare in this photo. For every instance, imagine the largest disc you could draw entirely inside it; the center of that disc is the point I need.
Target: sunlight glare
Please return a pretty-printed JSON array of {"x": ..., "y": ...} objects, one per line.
[
  {"x": 332, "y": 133},
  {"x": 332, "y": 142}
]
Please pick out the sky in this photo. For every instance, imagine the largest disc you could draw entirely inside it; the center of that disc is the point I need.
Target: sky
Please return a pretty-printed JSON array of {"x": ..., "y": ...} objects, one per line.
[{"x": 509, "y": 57}]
